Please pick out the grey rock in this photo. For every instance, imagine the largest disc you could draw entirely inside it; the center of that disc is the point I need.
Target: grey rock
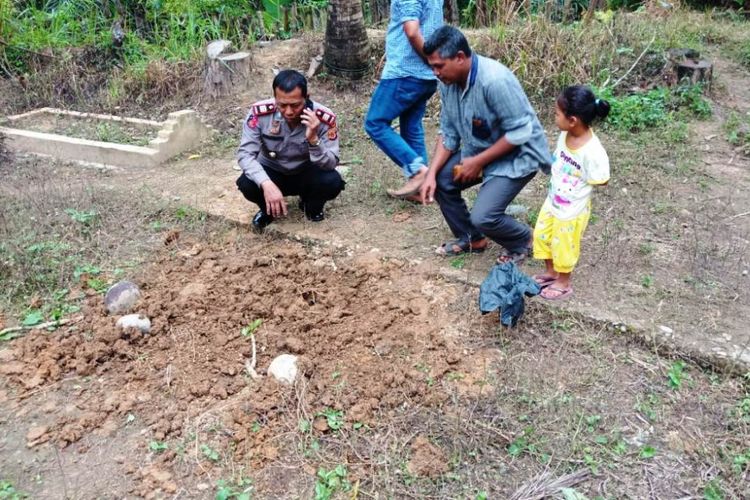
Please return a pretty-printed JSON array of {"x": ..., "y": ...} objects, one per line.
[{"x": 122, "y": 297}]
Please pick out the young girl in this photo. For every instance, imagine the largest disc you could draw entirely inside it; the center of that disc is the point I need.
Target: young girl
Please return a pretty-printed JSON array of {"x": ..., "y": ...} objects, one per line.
[{"x": 579, "y": 163}]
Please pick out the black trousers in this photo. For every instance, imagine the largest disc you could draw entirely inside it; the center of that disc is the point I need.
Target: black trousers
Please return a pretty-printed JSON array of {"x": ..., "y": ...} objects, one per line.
[{"x": 313, "y": 185}]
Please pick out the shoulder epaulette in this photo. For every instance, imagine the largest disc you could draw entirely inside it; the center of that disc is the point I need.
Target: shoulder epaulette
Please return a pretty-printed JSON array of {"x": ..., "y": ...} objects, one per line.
[
  {"x": 264, "y": 108},
  {"x": 326, "y": 117}
]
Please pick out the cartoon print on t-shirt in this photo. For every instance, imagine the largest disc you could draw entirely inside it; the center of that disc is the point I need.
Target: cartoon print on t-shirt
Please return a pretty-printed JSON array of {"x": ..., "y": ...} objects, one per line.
[{"x": 570, "y": 176}]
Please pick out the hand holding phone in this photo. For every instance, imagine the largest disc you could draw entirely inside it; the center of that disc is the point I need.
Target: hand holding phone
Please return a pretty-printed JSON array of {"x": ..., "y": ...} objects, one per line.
[{"x": 310, "y": 120}]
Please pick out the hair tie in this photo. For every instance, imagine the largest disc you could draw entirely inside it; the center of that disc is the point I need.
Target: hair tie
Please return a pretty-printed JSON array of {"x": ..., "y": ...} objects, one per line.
[{"x": 597, "y": 101}]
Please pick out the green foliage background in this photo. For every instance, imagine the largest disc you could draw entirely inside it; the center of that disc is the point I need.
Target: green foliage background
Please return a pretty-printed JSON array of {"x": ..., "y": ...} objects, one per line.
[{"x": 164, "y": 29}]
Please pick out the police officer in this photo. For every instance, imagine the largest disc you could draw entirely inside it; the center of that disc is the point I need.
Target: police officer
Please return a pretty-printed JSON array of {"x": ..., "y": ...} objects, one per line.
[{"x": 289, "y": 147}]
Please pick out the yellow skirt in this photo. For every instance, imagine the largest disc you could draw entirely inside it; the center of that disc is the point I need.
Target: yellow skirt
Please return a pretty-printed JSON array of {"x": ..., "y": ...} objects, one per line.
[{"x": 559, "y": 240}]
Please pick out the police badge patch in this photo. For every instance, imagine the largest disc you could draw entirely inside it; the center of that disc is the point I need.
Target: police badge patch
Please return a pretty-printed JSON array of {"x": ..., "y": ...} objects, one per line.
[
  {"x": 252, "y": 122},
  {"x": 264, "y": 108},
  {"x": 333, "y": 133}
]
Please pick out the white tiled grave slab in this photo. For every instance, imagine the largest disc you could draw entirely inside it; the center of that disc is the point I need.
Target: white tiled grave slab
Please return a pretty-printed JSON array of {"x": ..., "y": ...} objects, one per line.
[{"x": 181, "y": 131}]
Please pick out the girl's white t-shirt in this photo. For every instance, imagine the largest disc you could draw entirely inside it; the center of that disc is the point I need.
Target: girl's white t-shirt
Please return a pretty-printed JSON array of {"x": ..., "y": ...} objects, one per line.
[{"x": 574, "y": 172}]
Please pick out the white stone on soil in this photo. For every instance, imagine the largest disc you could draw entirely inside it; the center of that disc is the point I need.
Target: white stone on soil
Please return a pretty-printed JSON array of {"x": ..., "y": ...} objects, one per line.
[
  {"x": 122, "y": 297},
  {"x": 284, "y": 368},
  {"x": 135, "y": 321},
  {"x": 665, "y": 329}
]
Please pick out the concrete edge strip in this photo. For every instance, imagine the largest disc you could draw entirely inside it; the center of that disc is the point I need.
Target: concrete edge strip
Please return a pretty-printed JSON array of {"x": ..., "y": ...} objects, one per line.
[
  {"x": 80, "y": 114},
  {"x": 10, "y": 132}
]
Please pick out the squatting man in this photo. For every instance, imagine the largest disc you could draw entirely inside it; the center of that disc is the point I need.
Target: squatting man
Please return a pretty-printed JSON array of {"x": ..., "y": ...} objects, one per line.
[{"x": 289, "y": 147}]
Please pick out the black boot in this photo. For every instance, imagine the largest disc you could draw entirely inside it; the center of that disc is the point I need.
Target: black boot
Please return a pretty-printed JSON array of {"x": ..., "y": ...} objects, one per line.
[
  {"x": 314, "y": 212},
  {"x": 315, "y": 217},
  {"x": 261, "y": 220}
]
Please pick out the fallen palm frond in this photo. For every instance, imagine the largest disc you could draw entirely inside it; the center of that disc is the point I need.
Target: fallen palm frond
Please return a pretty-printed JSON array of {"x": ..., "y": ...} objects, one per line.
[{"x": 545, "y": 485}]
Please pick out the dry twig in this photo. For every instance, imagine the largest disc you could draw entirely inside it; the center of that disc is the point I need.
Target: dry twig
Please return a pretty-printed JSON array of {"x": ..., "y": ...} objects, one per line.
[
  {"x": 544, "y": 485},
  {"x": 250, "y": 365},
  {"x": 40, "y": 326},
  {"x": 635, "y": 63}
]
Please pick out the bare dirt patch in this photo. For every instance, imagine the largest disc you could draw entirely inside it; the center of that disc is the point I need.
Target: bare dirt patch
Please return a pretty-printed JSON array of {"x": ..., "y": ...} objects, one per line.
[
  {"x": 400, "y": 386},
  {"x": 185, "y": 382}
]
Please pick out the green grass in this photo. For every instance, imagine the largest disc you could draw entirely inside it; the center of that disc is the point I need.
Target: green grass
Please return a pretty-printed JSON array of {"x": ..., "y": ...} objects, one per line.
[
  {"x": 656, "y": 108},
  {"x": 330, "y": 482},
  {"x": 9, "y": 492},
  {"x": 237, "y": 489},
  {"x": 737, "y": 131},
  {"x": 75, "y": 239},
  {"x": 168, "y": 30},
  {"x": 538, "y": 49},
  {"x": 738, "y": 49}
]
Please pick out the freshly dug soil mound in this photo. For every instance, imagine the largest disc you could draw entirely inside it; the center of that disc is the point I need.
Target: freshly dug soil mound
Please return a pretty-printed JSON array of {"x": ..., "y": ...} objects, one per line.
[{"x": 368, "y": 338}]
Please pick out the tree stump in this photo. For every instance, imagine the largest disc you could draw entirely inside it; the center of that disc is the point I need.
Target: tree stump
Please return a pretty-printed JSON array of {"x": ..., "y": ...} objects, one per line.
[
  {"x": 686, "y": 65},
  {"x": 696, "y": 72},
  {"x": 225, "y": 72}
]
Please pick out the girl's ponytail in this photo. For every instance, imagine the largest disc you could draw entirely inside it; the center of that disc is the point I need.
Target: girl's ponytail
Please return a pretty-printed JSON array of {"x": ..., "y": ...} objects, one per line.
[
  {"x": 602, "y": 108},
  {"x": 580, "y": 101}
]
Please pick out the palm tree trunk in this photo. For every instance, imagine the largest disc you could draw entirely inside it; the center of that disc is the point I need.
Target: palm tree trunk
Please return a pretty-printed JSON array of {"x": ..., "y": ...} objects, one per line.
[
  {"x": 347, "y": 49},
  {"x": 451, "y": 13}
]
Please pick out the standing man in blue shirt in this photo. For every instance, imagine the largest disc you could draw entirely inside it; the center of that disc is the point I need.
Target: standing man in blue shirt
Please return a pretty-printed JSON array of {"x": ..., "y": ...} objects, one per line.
[
  {"x": 489, "y": 134},
  {"x": 407, "y": 83}
]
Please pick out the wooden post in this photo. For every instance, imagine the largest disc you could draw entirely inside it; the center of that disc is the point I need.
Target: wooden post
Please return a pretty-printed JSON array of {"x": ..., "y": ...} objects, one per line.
[
  {"x": 295, "y": 17},
  {"x": 262, "y": 26},
  {"x": 696, "y": 72},
  {"x": 285, "y": 19}
]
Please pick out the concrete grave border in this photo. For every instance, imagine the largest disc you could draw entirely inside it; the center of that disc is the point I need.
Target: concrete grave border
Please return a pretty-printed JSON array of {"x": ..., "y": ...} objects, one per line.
[{"x": 181, "y": 131}]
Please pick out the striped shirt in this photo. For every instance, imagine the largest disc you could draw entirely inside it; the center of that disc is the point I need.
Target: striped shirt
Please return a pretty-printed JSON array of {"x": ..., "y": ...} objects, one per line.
[{"x": 493, "y": 105}]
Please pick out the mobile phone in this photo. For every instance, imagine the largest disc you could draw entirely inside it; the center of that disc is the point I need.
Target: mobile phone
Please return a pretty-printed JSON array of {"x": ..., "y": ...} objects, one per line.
[{"x": 309, "y": 104}]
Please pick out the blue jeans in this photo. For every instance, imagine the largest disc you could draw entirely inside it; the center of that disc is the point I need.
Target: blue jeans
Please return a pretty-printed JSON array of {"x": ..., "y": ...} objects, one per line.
[{"x": 405, "y": 99}]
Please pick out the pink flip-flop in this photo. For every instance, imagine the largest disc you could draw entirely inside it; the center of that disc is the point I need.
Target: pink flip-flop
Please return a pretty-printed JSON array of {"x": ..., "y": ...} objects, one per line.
[{"x": 564, "y": 293}]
